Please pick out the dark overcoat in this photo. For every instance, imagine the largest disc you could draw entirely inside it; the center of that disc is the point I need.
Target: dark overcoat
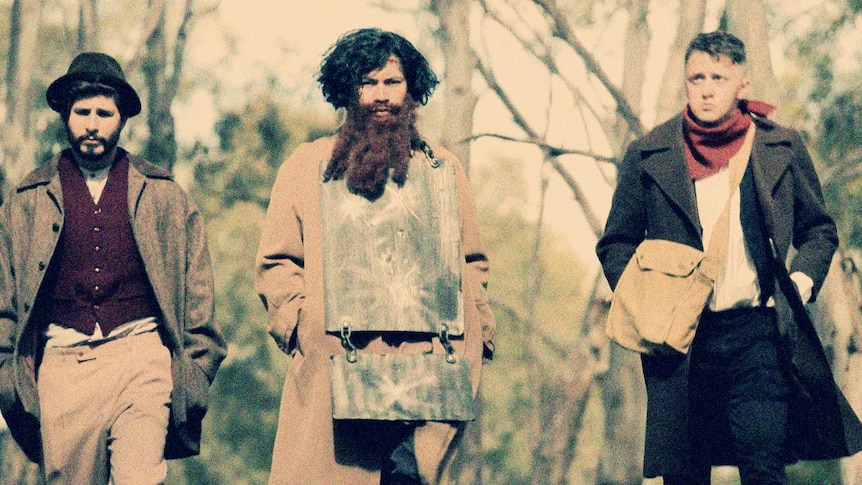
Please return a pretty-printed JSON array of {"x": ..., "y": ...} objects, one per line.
[
  {"x": 169, "y": 232},
  {"x": 655, "y": 199}
]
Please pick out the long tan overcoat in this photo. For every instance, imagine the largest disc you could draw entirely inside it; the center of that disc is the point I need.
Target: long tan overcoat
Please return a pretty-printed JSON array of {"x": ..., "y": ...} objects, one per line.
[{"x": 289, "y": 280}]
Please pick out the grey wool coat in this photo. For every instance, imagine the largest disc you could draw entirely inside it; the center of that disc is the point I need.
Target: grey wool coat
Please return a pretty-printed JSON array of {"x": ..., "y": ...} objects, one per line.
[
  {"x": 169, "y": 232},
  {"x": 655, "y": 199},
  {"x": 289, "y": 280}
]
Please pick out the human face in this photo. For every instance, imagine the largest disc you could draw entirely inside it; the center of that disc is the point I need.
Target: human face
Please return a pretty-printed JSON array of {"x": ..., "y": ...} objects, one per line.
[
  {"x": 383, "y": 89},
  {"x": 713, "y": 87},
  {"x": 93, "y": 131}
]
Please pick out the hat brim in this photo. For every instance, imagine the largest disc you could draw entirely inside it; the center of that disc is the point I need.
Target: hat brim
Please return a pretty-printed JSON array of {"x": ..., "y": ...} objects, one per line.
[{"x": 57, "y": 94}]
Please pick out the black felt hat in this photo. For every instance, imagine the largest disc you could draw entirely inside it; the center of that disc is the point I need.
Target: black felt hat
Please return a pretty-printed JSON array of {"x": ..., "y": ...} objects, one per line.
[{"x": 98, "y": 68}]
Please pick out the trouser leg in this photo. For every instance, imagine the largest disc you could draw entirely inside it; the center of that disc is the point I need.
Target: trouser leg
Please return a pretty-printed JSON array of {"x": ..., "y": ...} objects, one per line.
[
  {"x": 399, "y": 465},
  {"x": 742, "y": 394},
  {"x": 699, "y": 477},
  {"x": 104, "y": 412},
  {"x": 136, "y": 440},
  {"x": 759, "y": 429},
  {"x": 72, "y": 398}
]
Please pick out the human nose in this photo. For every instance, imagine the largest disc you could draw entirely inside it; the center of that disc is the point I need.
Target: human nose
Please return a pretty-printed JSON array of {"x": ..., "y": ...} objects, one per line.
[
  {"x": 92, "y": 123},
  {"x": 379, "y": 92}
]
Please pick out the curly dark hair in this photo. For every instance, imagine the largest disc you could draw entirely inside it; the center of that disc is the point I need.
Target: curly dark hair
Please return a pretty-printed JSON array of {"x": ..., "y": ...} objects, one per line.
[
  {"x": 362, "y": 51},
  {"x": 716, "y": 43}
]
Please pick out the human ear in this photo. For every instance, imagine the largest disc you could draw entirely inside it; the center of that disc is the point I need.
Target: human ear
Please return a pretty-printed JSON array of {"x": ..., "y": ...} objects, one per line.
[{"x": 744, "y": 90}]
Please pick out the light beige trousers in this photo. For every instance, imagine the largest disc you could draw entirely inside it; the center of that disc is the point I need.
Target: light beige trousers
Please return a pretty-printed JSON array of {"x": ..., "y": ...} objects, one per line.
[{"x": 104, "y": 412}]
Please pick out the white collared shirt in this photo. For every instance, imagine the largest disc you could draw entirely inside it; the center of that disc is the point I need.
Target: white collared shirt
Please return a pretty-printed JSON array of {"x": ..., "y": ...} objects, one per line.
[{"x": 736, "y": 285}]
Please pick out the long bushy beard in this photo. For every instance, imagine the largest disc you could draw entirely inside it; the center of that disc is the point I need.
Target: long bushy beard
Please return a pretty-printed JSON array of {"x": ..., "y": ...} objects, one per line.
[{"x": 367, "y": 148}]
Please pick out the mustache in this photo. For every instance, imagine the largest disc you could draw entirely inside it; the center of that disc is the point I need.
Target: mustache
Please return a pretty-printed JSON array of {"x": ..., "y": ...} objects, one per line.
[
  {"x": 83, "y": 138},
  {"x": 368, "y": 111}
]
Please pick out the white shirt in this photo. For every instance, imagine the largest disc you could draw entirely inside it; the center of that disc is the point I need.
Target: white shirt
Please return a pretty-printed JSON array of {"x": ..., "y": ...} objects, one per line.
[{"x": 736, "y": 285}]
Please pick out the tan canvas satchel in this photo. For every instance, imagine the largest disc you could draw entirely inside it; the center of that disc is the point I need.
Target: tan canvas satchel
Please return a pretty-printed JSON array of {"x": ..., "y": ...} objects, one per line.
[{"x": 665, "y": 286}]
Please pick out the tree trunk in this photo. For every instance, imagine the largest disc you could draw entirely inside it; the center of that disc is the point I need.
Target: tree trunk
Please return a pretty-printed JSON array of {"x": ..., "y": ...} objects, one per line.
[
  {"x": 839, "y": 320},
  {"x": 623, "y": 400},
  {"x": 459, "y": 99},
  {"x": 671, "y": 97},
  {"x": 161, "y": 147},
  {"x": 18, "y": 139},
  {"x": 88, "y": 39},
  {"x": 623, "y": 396},
  {"x": 458, "y": 104},
  {"x": 635, "y": 53},
  {"x": 561, "y": 411},
  {"x": 746, "y": 19}
]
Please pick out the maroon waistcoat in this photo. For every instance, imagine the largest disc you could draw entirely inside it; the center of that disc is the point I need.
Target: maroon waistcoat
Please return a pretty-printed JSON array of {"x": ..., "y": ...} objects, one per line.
[{"x": 98, "y": 275}]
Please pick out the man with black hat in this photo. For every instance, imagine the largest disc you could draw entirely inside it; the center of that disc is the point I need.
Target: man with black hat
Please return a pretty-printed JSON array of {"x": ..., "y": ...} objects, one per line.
[{"x": 106, "y": 294}]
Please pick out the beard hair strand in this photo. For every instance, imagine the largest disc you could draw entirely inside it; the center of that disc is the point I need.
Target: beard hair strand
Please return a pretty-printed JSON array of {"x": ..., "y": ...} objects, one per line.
[{"x": 366, "y": 149}]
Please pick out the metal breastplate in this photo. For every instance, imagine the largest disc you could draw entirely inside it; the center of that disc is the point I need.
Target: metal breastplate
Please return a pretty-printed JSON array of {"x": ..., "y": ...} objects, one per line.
[{"x": 394, "y": 264}]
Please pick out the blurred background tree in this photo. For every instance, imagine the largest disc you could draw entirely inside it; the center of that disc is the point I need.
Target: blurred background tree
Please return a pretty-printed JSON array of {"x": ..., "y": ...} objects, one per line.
[{"x": 539, "y": 98}]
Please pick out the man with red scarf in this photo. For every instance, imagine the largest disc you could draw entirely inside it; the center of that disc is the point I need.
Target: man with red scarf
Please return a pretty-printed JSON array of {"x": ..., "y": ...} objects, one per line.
[
  {"x": 349, "y": 268},
  {"x": 734, "y": 398}
]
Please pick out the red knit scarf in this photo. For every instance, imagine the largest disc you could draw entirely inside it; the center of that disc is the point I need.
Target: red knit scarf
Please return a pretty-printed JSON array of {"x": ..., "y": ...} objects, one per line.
[{"x": 708, "y": 149}]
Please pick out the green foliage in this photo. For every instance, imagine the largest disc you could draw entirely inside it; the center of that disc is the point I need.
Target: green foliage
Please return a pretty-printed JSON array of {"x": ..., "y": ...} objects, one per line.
[
  {"x": 838, "y": 146},
  {"x": 253, "y": 141},
  {"x": 232, "y": 189},
  {"x": 820, "y": 472},
  {"x": 834, "y": 106}
]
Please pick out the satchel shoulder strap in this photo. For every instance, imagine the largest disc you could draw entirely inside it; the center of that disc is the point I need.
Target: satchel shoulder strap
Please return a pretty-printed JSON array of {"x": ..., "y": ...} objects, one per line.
[{"x": 717, "y": 250}]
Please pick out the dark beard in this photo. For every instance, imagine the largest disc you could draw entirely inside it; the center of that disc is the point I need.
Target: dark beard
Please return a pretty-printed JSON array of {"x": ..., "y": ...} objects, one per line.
[
  {"x": 89, "y": 160},
  {"x": 367, "y": 148}
]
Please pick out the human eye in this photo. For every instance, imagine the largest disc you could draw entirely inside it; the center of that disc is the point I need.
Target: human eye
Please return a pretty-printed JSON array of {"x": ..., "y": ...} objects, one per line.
[
  {"x": 394, "y": 81},
  {"x": 696, "y": 78},
  {"x": 104, "y": 113},
  {"x": 81, "y": 111}
]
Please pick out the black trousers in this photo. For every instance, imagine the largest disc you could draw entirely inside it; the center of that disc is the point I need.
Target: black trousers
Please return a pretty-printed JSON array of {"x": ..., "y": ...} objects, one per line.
[{"x": 738, "y": 395}]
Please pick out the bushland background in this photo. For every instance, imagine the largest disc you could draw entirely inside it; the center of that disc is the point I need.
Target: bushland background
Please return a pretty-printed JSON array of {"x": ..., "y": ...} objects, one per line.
[{"x": 539, "y": 99}]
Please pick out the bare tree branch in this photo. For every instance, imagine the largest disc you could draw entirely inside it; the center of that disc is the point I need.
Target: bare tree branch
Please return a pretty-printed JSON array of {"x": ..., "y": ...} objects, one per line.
[
  {"x": 564, "y": 31},
  {"x": 552, "y": 150}
]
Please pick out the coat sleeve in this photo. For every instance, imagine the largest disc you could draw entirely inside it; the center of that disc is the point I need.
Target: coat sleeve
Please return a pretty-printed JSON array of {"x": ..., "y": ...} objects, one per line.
[
  {"x": 814, "y": 234},
  {"x": 8, "y": 317},
  {"x": 280, "y": 262},
  {"x": 203, "y": 342},
  {"x": 627, "y": 220},
  {"x": 476, "y": 258}
]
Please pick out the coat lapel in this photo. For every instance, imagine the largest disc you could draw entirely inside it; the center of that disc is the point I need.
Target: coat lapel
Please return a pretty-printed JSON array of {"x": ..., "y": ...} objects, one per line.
[
  {"x": 767, "y": 169},
  {"x": 663, "y": 156}
]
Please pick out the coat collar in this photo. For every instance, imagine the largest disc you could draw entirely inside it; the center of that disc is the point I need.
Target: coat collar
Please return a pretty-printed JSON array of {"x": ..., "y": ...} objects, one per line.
[
  {"x": 47, "y": 172},
  {"x": 662, "y": 151}
]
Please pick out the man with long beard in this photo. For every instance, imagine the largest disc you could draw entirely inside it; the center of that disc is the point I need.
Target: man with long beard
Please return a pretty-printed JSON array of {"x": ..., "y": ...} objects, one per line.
[
  {"x": 373, "y": 272},
  {"x": 106, "y": 294}
]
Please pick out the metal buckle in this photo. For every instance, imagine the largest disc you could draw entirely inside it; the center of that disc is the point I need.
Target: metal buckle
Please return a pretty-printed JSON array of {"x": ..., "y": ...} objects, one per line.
[
  {"x": 347, "y": 344},
  {"x": 444, "y": 339}
]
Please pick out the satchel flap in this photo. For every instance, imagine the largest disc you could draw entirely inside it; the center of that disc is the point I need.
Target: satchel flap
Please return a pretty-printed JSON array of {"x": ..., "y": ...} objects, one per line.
[{"x": 668, "y": 257}]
